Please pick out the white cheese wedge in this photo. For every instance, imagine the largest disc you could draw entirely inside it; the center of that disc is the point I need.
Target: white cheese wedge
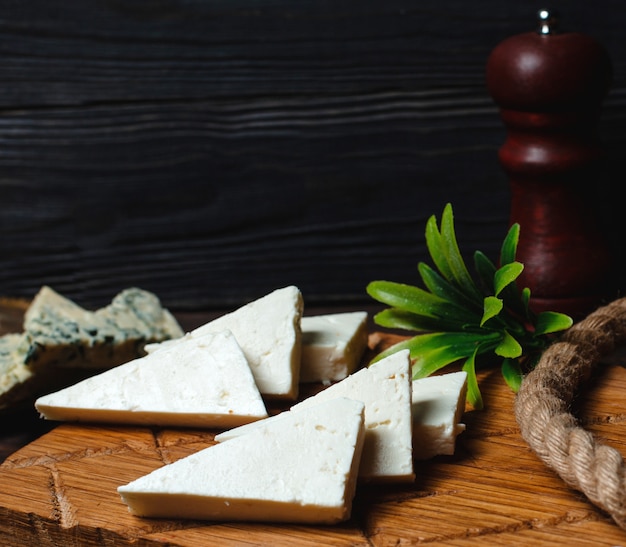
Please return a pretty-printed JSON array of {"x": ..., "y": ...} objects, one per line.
[
  {"x": 302, "y": 469},
  {"x": 204, "y": 381},
  {"x": 438, "y": 405},
  {"x": 269, "y": 333},
  {"x": 385, "y": 389},
  {"x": 332, "y": 346}
]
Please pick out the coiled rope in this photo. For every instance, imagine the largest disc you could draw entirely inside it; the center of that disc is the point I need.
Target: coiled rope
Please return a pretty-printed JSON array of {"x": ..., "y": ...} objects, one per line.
[{"x": 553, "y": 433}]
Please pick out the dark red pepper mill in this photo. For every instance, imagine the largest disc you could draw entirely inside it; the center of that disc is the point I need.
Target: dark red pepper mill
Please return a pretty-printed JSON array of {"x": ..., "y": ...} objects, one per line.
[{"x": 550, "y": 87}]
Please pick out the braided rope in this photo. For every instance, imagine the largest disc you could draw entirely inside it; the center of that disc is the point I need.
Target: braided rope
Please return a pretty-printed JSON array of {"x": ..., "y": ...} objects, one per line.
[{"x": 542, "y": 410}]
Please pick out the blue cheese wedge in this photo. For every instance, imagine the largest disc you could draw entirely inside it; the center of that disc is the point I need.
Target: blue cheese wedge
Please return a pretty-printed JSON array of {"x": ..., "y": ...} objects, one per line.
[
  {"x": 300, "y": 470},
  {"x": 385, "y": 389},
  {"x": 268, "y": 330},
  {"x": 63, "y": 333},
  {"x": 204, "y": 381},
  {"x": 17, "y": 381},
  {"x": 332, "y": 346},
  {"x": 438, "y": 404},
  {"x": 61, "y": 339}
]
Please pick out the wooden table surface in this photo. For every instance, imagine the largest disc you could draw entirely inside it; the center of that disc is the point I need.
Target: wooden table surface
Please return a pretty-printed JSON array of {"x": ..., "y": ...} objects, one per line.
[{"x": 493, "y": 491}]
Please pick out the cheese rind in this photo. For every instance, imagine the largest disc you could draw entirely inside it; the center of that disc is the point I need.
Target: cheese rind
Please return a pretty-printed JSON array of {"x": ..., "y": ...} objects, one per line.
[
  {"x": 438, "y": 403},
  {"x": 300, "y": 470},
  {"x": 59, "y": 334},
  {"x": 385, "y": 389},
  {"x": 204, "y": 381},
  {"x": 269, "y": 333},
  {"x": 332, "y": 346}
]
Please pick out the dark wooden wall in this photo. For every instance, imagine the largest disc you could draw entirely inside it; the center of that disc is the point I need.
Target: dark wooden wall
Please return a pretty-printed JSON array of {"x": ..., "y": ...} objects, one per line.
[{"x": 211, "y": 151}]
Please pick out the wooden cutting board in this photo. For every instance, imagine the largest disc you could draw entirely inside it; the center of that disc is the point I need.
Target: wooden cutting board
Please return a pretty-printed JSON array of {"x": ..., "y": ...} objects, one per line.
[{"x": 61, "y": 488}]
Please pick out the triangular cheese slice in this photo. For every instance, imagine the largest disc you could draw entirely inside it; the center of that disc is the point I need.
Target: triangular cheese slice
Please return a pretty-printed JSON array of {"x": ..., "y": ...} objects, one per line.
[
  {"x": 332, "y": 346},
  {"x": 438, "y": 405},
  {"x": 204, "y": 381},
  {"x": 302, "y": 469},
  {"x": 268, "y": 331},
  {"x": 385, "y": 389}
]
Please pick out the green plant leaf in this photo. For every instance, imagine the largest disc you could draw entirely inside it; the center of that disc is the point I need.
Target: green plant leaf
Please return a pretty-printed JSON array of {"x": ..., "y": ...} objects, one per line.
[
  {"x": 525, "y": 302},
  {"x": 393, "y": 318},
  {"x": 485, "y": 269},
  {"x": 459, "y": 270},
  {"x": 512, "y": 374},
  {"x": 474, "y": 396},
  {"x": 549, "y": 322},
  {"x": 511, "y": 294},
  {"x": 506, "y": 275},
  {"x": 509, "y": 347},
  {"x": 430, "y": 352},
  {"x": 439, "y": 286},
  {"x": 436, "y": 249},
  {"x": 406, "y": 297},
  {"x": 492, "y": 307},
  {"x": 418, "y": 301},
  {"x": 508, "y": 250}
]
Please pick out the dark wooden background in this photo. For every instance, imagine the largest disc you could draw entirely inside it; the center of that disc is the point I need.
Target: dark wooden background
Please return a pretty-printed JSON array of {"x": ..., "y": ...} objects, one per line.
[{"x": 211, "y": 151}]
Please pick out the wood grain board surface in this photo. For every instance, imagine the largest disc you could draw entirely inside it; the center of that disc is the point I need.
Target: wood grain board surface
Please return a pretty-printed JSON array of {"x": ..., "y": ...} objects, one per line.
[
  {"x": 61, "y": 488},
  {"x": 208, "y": 151}
]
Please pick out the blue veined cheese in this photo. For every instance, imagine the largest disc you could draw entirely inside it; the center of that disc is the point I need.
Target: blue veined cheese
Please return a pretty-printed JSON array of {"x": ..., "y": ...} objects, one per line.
[
  {"x": 59, "y": 334},
  {"x": 268, "y": 330},
  {"x": 385, "y": 389},
  {"x": 438, "y": 404},
  {"x": 300, "y": 470},
  {"x": 204, "y": 381},
  {"x": 332, "y": 346},
  {"x": 65, "y": 334},
  {"x": 16, "y": 379}
]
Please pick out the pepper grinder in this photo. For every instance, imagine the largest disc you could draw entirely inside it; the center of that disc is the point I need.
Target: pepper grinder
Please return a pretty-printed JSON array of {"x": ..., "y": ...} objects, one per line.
[{"x": 549, "y": 87}]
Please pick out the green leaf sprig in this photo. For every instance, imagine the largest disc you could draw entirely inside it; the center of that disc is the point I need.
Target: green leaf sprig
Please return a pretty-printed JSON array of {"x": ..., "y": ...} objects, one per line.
[{"x": 462, "y": 320}]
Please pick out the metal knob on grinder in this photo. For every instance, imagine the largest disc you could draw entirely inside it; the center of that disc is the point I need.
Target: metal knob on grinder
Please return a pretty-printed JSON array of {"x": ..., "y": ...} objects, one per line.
[{"x": 549, "y": 87}]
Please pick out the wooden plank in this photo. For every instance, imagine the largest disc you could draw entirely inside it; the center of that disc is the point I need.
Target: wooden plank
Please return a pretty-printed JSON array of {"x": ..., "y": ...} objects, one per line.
[
  {"x": 210, "y": 152},
  {"x": 494, "y": 490}
]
